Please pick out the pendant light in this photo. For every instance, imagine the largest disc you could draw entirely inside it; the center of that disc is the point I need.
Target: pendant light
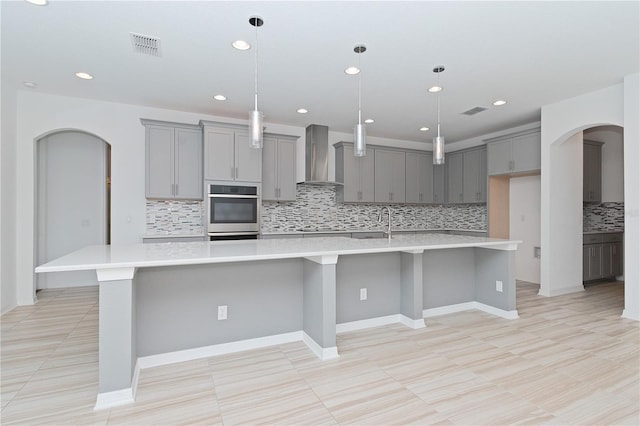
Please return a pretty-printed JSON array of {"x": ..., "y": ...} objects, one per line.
[
  {"x": 359, "y": 132},
  {"x": 438, "y": 141},
  {"x": 255, "y": 116}
]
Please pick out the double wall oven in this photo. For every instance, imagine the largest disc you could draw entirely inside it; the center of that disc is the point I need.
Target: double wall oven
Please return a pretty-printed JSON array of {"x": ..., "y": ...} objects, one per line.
[{"x": 233, "y": 211}]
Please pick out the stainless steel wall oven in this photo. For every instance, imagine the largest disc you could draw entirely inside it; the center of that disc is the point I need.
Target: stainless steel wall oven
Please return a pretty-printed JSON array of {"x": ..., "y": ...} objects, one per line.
[{"x": 233, "y": 211}]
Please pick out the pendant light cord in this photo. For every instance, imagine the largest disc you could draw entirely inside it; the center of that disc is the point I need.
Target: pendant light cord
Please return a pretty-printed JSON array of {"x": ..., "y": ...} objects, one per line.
[
  {"x": 256, "y": 74},
  {"x": 360, "y": 89},
  {"x": 438, "y": 103}
]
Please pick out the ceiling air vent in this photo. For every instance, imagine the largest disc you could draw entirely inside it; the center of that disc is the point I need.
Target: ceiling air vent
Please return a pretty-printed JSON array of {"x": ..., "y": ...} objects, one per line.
[
  {"x": 146, "y": 45},
  {"x": 474, "y": 111}
]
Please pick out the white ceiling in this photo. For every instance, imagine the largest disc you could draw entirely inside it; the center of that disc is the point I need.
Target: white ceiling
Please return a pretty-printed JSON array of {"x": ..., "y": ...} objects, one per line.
[{"x": 530, "y": 53}]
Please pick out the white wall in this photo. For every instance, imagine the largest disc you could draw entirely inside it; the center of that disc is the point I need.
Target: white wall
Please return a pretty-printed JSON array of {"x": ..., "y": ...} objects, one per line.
[
  {"x": 616, "y": 105},
  {"x": 8, "y": 294},
  {"x": 632, "y": 197},
  {"x": 524, "y": 224},
  {"x": 612, "y": 160}
]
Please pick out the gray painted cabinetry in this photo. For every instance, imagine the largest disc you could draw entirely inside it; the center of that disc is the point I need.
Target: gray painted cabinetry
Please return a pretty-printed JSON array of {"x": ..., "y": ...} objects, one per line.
[
  {"x": 438, "y": 184},
  {"x": 454, "y": 167},
  {"x": 173, "y": 156},
  {"x": 389, "y": 176},
  {"x": 356, "y": 173},
  {"x": 279, "y": 168},
  {"x": 227, "y": 155},
  {"x": 516, "y": 153},
  {"x": 601, "y": 256},
  {"x": 474, "y": 176},
  {"x": 592, "y": 171},
  {"x": 419, "y": 177}
]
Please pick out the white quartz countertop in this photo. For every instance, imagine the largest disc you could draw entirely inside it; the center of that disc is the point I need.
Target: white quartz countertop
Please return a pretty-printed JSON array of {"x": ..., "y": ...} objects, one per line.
[{"x": 191, "y": 253}]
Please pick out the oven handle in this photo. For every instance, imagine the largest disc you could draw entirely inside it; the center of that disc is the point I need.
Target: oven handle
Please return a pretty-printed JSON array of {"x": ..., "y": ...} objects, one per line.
[
  {"x": 218, "y": 234},
  {"x": 232, "y": 196}
]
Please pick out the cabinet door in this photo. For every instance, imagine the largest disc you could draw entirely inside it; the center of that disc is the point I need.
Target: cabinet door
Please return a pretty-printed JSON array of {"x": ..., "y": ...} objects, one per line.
[
  {"x": 594, "y": 267},
  {"x": 389, "y": 176},
  {"x": 473, "y": 172},
  {"x": 454, "y": 164},
  {"x": 616, "y": 259},
  {"x": 526, "y": 152},
  {"x": 269, "y": 169},
  {"x": 159, "y": 162},
  {"x": 348, "y": 173},
  {"x": 188, "y": 164},
  {"x": 605, "y": 261},
  {"x": 586, "y": 258},
  {"x": 438, "y": 184},
  {"x": 219, "y": 154},
  {"x": 286, "y": 170},
  {"x": 499, "y": 157},
  {"x": 248, "y": 160},
  {"x": 366, "y": 168},
  {"x": 418, "y": 177},
  {"x": 592, "y": 171}
]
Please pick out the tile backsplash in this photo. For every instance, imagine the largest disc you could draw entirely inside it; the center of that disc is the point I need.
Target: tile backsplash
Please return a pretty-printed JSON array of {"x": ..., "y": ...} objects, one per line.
[
  {"x": 603, "y": 217},
  {"x": 316, "y": 209},
  {"x": 175, "y": 217}
]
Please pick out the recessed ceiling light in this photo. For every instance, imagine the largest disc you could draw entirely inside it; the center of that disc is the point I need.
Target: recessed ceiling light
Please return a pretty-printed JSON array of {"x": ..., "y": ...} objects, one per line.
[
  {"x": 499, "y": 102},
  {"x": 220, "y": 97},
  {"x": 352, "y": 70},
  {"x": 84, "y": 75},
  {"x": 302, "y": 111},
  {"x": 38, "y": 2},
  {"x": 424, "y": 129},
  {"x": 435, "y": 89},
  {"x": 369, "y": 120},
  {"x": 241, "y": 45},
  {"x": 29, "y": 84}
]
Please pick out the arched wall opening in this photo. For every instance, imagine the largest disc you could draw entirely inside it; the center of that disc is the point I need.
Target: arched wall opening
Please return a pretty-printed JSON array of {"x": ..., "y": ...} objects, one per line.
[{"x": 72, "y": 203}]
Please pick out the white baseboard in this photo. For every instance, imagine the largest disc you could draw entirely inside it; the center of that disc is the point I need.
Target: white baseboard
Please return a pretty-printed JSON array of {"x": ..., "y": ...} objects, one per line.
[
  {"x": 322, "y": 353},
  {"x": 561, "y": 291},
  {"x": 215, "y": 350},
  {"x": 411, "y": 323},
  {"x": 367, "y": 323},
  {"x": 626, "y": 313},
  {"x": 114, "y": 399},
  {"x": 467, "y": 306}
]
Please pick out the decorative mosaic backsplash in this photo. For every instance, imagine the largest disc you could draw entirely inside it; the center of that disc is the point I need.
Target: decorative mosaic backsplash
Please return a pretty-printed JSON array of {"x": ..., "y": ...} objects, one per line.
[
  {"x": 603, "y": 217},
  {"x": 316, "y": 209},
  {"x": 174, "y": 217}
]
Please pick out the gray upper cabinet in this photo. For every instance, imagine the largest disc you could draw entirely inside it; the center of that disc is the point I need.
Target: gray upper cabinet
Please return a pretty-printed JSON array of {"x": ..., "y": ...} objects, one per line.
[
  {"x": 228, "y": 156},
  {"x": 592, "y": 172},
  {"x": 419, "y": 178},
  {"x": 355, "y": 173},
  {"x": 455, "y": 183},
  {"x": 439, "y": 192},
  {"x": 279, "y": 168},
  {"x": 173, "y": 156},
  {"x": 389, "y": 183},
  {"x": 516, "y": 153},
  {"x": 474, "y": 176}
]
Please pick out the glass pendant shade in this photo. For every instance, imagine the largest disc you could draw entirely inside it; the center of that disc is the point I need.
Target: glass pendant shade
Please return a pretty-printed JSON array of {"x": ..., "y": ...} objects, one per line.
[
  {"x": 359, "y": 142},
  {"x": 438, "y": 150},
  {"x": 255, "y": 129}
]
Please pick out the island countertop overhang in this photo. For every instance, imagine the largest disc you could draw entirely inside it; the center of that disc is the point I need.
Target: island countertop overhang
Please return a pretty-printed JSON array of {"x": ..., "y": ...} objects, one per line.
[{"x": 192, "y": 253}]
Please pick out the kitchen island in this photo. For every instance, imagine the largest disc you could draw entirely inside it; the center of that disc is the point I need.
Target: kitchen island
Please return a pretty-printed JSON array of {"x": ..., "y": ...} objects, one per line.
[{"x": 159, "y": 303}]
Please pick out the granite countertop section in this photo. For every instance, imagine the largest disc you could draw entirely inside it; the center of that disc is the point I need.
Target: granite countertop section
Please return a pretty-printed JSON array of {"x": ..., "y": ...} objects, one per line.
[
  {"x": 355, "y": 231},
  {"x": 114, "y": 257},
  {"x": 173, "y": 236}
]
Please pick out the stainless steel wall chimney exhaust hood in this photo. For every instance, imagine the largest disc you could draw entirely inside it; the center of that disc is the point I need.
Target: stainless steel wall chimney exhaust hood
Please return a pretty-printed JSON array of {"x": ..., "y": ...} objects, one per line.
[{"x": 317, "y": 156}]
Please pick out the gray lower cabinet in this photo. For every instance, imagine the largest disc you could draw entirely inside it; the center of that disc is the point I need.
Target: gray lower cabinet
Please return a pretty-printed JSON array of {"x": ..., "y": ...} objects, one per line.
[
  {"x": 227, "y": 154},
  {"x": 389, "y": 183},
  {"x": 355, "y": 173},
  {"x": 419, "y": 178},
  {"x": 279, "y": 168},
  {"x": 455, "y": 183},
  {"x": 474, "y": 175},
  {"x": 602, "y": 256},
  {"x": 515, "y": 153},
  {"x": 592, "y": 171},
  {"x": 173, "y": 157}
]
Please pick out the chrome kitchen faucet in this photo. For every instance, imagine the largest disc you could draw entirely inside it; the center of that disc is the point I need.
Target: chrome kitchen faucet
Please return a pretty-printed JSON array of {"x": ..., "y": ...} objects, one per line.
[{"x": 380, "y": 219}]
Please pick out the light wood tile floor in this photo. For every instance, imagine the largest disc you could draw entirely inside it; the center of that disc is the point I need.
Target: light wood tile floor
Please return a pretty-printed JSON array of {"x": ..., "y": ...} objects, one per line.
[{"x": 567, "y": 360}]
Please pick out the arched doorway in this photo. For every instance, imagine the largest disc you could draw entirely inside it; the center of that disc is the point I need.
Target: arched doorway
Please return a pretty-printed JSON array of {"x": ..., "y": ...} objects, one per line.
[{"x": 72, "y": 201}]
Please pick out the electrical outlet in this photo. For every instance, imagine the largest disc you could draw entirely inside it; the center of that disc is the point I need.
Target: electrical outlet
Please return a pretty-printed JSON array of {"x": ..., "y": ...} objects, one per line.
[
  {"x": 363, "y": 294},
  {"x": 499, "y": 286},
  {"x": 222, "y": 312}
]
